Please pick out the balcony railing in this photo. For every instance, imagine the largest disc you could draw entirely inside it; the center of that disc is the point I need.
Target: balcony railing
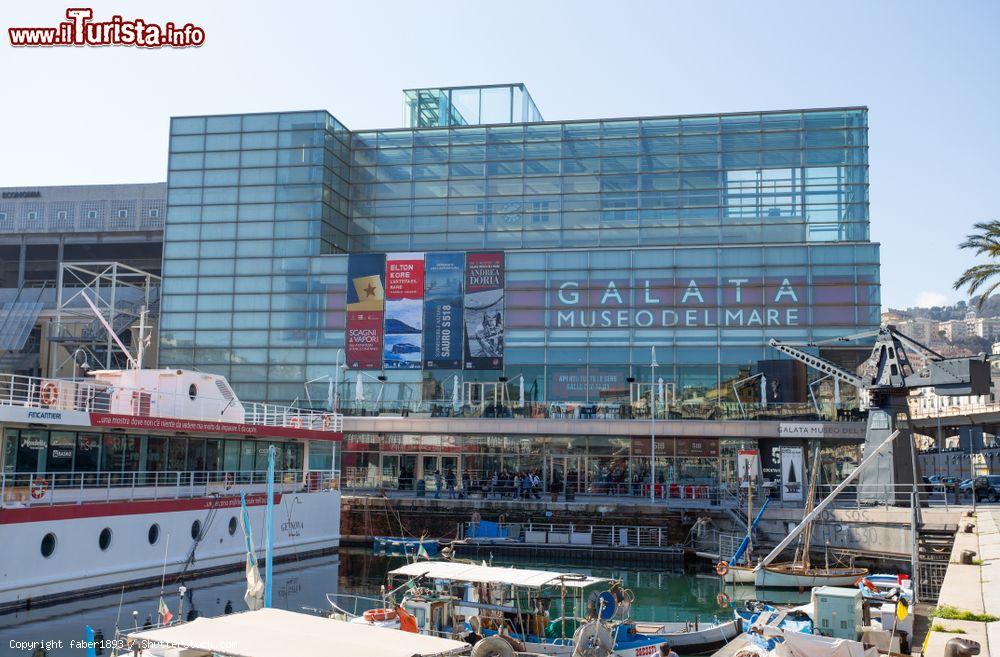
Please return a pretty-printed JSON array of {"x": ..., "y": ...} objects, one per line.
[
  {"x": 93, "y": 396},
  {"x": 676, "y": 410},
  {"x": 952, "y": 411},
  {"x": 49, "y": 488}
]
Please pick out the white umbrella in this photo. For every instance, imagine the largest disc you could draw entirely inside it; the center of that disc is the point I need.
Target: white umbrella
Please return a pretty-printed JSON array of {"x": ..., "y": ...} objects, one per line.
[
  {"x": 520, "y": 391},
  {"x": 454, "y": 392},
  {"x": 763, "y": 391},
  {"x": 836, "y": 392},
  {"x": 359, "y": 390}
]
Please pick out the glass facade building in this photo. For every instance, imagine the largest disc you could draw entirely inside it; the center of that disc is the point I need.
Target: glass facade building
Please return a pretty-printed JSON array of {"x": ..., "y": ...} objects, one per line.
[{"x": 702, "y": 236}]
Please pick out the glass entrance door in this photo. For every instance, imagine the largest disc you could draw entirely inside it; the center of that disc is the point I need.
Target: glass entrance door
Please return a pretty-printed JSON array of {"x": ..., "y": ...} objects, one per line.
[
  {"x": 480, "y": 394},
  {"x": 390, "y": 471},
  {"x": 407, "y": 471}
]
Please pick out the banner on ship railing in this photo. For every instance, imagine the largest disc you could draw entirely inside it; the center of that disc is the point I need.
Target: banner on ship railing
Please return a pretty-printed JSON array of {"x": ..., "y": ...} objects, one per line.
[
  {"x": 792, "y": 474},
  {"x": 404, "y": 311},
  {"x": 484, "y": 318},
  {"x": 443, "y": 275},
  {"x": 365, "y": 310}
]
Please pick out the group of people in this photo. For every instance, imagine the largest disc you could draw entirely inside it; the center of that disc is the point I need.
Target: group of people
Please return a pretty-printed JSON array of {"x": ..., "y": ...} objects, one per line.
[
  {"x": 450, "y": 481},
  {"x": 514, "y": 485}
]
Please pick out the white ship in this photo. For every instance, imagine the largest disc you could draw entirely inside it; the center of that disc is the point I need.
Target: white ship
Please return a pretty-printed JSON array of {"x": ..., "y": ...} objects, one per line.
[{"x": 132, "y": 474}]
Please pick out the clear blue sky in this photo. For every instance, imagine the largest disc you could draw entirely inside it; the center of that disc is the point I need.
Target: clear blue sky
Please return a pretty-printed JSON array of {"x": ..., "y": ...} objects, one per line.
[{"x": 928, "y": 71}]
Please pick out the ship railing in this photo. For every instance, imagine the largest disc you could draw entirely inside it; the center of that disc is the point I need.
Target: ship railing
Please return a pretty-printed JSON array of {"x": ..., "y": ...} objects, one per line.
[
  {"x": 52, "y": 488},
  {"x": 92, "y": 396}
]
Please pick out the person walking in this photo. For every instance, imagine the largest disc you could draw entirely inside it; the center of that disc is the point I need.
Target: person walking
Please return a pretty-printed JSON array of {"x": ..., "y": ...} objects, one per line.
[
  {"x": 466, "y": 485},
  {"x": 438, "y": 483},
  {"x": 450, "y": 481},
  {"x": 555, "y": 487},
  {"x": 536, "y": 485}
]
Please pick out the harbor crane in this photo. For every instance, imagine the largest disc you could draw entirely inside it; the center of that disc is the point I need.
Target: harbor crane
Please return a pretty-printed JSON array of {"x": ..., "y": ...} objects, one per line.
[{"x": 887, "y": 379}]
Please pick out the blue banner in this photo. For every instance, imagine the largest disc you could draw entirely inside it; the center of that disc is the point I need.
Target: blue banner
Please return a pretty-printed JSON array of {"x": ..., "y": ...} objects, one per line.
[{"x": 443, "y": 322}]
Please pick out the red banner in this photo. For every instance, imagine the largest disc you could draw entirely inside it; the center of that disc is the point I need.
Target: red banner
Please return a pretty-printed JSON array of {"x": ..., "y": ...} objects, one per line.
[
  {"x": 404, "y": 276},
  {"x": 364, "y": 339},
  {"x": 133, "y": 422}
]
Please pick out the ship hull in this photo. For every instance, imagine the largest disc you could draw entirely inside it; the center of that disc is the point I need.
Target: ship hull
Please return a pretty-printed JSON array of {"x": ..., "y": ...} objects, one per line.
[
  {"x": 304, "y": 523},
  {"x": 796, "y": 578}
]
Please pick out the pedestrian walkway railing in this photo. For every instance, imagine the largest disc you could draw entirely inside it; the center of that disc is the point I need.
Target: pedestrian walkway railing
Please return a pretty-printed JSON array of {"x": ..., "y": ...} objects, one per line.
[
  {"x": 50, "y": 488},
  {"x": 608, "y": 411}
]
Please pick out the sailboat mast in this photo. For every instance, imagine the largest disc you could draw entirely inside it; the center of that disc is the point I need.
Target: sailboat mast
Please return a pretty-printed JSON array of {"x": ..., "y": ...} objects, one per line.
[
  {"x": 750, "y": 483},
  {"x": 809, "y": 507}
]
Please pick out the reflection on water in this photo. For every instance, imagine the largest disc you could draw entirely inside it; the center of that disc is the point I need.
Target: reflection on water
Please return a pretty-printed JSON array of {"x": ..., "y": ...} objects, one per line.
[{"x": 660, "y": 596}]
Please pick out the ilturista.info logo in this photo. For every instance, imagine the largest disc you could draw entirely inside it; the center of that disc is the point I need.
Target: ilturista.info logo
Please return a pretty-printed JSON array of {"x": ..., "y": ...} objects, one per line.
[{"x": 81, "y": 29}]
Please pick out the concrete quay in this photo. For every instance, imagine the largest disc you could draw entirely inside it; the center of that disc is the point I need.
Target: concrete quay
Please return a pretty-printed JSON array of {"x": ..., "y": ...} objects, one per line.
[{"x": 972, "y": 587}]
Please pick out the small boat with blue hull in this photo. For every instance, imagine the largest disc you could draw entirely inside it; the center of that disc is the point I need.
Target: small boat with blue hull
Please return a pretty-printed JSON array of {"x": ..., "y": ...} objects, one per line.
[
  {"x": 542, "y": 612},
  {"x": 401, "y": 545}
]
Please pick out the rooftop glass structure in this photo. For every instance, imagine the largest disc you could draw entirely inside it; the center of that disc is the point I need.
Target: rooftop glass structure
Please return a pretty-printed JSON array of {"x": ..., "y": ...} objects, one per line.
[
  {"x": 565, "y": 250},
  {"x": 441, "y": 107}
]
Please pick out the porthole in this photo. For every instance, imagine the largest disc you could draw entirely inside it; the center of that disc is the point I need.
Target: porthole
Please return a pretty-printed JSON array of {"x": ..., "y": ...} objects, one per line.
[
  {"x": 48, "y": 545},
  {"x": 196, "y": 529},
  {"x": 154, "y": 534},
  {"x": 104, "y": 540},
  {"x": 232, "y": 525},
  {"x": 192, "y": 391}
]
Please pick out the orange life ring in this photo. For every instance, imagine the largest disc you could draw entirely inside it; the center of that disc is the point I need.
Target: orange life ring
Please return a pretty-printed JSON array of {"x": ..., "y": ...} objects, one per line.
[
  {"x": 295, "y": 422},
  {"x": 38, "y": 488},
  {"x": 380, "y": 615},
  {"x": 722, "y": 600},
  {"x": 722, "y": 569},
  {"x": 50, "y": 393}
]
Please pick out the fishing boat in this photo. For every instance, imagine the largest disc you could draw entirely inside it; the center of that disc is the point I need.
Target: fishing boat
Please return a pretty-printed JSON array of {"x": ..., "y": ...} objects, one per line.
[
  {"x": 407, "y": 546},
  {"x": 133, "y": 475},
  {"x": 544, "y": 612},
  {"x": 800, "y": 573}
]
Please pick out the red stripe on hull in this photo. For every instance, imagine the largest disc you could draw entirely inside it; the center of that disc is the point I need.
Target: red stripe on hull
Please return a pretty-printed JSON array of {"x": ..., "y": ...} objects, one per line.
[{"x": 99, "y": 509}]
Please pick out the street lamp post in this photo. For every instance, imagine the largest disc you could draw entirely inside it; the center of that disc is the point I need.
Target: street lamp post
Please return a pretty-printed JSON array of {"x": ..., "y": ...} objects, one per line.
[{"x": 652, "y": 425}]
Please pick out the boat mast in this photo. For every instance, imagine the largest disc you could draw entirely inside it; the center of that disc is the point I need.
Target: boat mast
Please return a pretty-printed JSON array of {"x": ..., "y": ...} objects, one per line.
[
  {"x": 810, "y": 502},
  {"x": 750, "y": 483}
]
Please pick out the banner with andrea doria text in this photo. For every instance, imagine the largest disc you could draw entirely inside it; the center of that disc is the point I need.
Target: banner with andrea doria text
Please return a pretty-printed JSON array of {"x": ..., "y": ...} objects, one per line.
[
  {"x": 404, "y": 311},
  {"x": 365, "y": 310},
  {"x": 443, "y": 277},
  {"x": 484, "y": 318}
]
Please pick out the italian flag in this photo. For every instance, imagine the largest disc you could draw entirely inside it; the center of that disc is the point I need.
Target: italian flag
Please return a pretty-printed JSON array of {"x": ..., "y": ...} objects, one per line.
[{"x": 165, "y": 614}]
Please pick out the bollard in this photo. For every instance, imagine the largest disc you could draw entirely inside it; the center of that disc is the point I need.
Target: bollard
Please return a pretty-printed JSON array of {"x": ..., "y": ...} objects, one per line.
[
  {"x": 967, "y": 557},
  {"x": 961, "y": 648}
]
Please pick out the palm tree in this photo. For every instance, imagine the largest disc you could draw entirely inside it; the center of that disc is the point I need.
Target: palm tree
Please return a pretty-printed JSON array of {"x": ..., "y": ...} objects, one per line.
[{"x": 985, "y": 241}]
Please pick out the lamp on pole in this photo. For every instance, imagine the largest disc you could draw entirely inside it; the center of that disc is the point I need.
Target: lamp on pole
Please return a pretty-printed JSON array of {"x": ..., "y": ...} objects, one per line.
[{"x": 652, "y": 425}]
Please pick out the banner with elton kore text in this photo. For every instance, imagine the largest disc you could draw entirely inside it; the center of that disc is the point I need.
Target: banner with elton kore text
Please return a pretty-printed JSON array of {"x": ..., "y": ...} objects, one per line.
[{"x": 404, "y": 311}]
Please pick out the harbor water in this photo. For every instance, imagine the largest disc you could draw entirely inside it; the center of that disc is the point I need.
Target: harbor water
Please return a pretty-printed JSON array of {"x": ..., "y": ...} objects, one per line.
[{"x": 299, "y": 585}]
